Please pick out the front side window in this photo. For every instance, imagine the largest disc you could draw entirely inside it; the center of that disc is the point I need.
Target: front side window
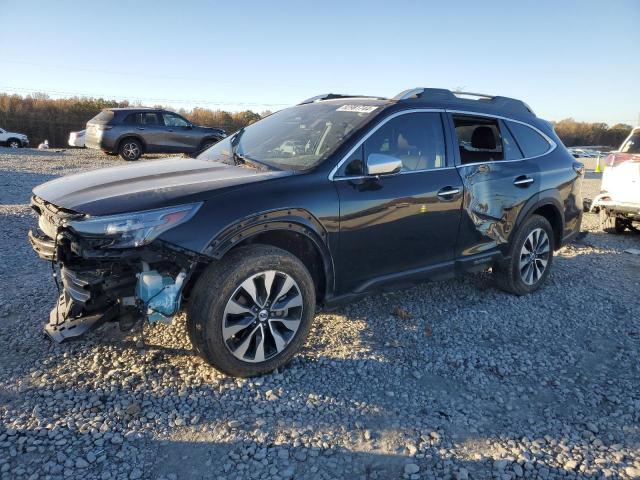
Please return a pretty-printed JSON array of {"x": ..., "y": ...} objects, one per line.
[
  {"x": 479, "y": 139},
  {"x": 297, "y": 138},
  {"x": 415, "y": 138},
  {"x": 173, "y": 120},
  {"x": 531, "y": 142}
]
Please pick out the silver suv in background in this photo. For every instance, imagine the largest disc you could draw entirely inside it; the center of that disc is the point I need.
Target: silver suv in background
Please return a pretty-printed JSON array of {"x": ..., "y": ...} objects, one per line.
[{"x": 131, "y": 132}]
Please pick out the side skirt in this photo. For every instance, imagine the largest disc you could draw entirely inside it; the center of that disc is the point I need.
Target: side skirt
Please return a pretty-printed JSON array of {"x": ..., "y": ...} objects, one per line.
[{"x": 397, "y": 281}]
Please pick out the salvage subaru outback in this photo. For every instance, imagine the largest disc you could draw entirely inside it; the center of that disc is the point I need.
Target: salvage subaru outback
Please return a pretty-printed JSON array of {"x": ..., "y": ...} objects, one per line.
[{"x": 308, "y": 208}]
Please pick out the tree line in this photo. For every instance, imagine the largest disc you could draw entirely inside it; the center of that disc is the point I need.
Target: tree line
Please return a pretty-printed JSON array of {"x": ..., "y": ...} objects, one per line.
[
  {"x": 41, "y": 117},
  {"x": 574, "y": 133}
]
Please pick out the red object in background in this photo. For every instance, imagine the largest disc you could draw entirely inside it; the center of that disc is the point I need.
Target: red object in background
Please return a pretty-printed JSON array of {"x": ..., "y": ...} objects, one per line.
[{"x": 618, "y": 158}]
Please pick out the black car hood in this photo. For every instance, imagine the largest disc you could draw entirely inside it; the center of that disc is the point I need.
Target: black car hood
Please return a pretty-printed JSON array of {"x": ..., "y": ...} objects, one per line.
[{"x": 147, "y": 185}]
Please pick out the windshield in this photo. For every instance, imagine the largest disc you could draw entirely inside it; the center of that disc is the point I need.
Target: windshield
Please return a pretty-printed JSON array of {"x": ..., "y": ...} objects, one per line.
[
  {"x": 632, "y": 145},
  {"x": 296, "y": 138}
]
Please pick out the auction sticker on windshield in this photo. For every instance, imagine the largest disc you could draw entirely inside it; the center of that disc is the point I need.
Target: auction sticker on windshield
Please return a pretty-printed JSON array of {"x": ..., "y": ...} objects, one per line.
[{"x": 356, "y": 108}]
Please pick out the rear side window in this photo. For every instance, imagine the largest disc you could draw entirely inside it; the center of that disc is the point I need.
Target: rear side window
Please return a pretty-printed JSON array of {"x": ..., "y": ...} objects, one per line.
[
  {"x": 530, "y": 142},
  {"x": 141, "y": 119},
  {"x": 415, "y": 138},
  {"x": 479, "y": 139},
  {"x": 104, "y": 116}
]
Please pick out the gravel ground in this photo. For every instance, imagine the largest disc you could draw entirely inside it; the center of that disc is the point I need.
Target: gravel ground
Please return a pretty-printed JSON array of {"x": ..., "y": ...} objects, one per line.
[{"x": 473, "y": 383}]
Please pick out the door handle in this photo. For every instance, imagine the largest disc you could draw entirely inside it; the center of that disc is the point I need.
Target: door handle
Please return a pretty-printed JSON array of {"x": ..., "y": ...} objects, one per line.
[
  {"x": 169, "y": 130},
  {"x": 140, "y": 128},
  {"x": 523, "y": 181},
  {"x": 447, "y": 192}
]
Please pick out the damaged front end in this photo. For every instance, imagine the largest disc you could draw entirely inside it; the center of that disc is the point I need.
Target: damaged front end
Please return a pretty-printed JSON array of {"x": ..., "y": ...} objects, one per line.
[{"x": 111, "y": 268}]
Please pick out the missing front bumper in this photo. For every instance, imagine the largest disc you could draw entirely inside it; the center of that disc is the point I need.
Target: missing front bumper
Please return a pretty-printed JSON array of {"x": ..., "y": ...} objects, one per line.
[{"x": 89, "y": 298}]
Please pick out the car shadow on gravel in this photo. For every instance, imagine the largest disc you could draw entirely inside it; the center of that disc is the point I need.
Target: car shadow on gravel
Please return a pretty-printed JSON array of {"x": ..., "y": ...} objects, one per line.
[
  {"x": 202, "y": 459},
  {"x": 466, "y": 366}
]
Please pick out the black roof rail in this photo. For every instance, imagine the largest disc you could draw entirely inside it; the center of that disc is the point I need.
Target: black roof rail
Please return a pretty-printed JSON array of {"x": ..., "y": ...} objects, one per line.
[
  {"x": 331, "y": 96},
  {"x": 444, "y": 94}
]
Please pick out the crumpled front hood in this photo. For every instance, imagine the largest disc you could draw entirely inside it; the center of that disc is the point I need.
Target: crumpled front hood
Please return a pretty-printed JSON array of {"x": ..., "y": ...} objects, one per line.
[{"x": 146, "y": 185}]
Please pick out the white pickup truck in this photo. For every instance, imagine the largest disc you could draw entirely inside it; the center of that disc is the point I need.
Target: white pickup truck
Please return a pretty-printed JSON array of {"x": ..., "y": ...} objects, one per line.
[
  {"x": 619, "y": 199},
  {"x": 13, "y": 140}
]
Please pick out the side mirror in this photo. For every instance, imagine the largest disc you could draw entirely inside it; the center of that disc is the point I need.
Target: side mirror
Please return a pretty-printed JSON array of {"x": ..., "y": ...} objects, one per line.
[
  {"x": 188, "y": 126},
  {"x": 381, "y": 164}
]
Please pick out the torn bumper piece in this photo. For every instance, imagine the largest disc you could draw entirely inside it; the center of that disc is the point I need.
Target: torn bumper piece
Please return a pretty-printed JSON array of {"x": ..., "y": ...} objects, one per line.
[
  {"x": 89, "y": 298},
  {"x": 63, "y": 325}
]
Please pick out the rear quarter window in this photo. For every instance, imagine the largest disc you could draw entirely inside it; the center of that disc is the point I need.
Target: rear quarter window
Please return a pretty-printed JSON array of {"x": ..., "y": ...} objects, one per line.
[
  {"x": 104, "y": 116},
  {"x": 530, "y": 142}
]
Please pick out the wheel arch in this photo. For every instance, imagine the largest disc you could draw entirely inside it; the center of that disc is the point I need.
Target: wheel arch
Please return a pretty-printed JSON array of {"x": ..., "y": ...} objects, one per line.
[
  {"x": 294, "y": 230},
  {"x": 548, "y": 205},
  {"x": 212, "y": 137},
  {"x": 135, "y": 137}
]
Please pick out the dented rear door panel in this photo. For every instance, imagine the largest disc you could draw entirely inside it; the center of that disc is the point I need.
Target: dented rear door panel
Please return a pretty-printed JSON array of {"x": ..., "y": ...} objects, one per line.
[{"x": 492, "y": 203}]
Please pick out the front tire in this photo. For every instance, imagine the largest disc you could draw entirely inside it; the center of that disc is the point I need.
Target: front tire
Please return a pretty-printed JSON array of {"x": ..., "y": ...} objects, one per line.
[
  {"x": 530, "y": 258},
  {"x": 14, "y": 143},
  {"x": 130, "y": 149},
  {"x": 208, "y": 143},
  {"x": 251, "y": 311}
]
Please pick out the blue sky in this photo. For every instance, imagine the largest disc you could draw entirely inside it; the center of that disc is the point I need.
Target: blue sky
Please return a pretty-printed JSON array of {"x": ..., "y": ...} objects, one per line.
[{"x": 564, "y": 58}]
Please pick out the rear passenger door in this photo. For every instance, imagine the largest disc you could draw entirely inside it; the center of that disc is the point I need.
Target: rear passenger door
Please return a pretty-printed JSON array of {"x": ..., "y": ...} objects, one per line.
[
  {"x": 147, "y": 125},
  {"x": 498, "y": 181}
]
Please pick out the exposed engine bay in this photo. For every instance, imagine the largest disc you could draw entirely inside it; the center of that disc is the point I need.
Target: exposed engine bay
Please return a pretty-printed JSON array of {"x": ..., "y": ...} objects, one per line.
[{"x": 98, "y": 284}]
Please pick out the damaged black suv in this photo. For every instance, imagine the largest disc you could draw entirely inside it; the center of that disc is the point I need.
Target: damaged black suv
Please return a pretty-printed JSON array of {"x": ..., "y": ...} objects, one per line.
[{"x": 313, "y": 206}]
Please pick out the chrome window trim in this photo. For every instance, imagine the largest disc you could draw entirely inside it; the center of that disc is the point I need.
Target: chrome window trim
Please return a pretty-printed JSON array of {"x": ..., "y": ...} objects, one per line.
[
  {"x": 374, "y": 130},
  {"x": 361, "y": 177},
  {"x": 553, "y": 145}
]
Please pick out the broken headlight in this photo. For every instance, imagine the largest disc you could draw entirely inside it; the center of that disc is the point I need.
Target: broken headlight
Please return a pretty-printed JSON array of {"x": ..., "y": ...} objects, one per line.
[{"x": 136, "y": 228}]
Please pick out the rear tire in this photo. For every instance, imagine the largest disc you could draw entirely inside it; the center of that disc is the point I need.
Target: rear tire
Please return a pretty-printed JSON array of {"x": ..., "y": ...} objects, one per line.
[
  {"x": 130, "y": 149},
  {"x": 250, "y": 331},
  {"x": 530, "y": 258}
]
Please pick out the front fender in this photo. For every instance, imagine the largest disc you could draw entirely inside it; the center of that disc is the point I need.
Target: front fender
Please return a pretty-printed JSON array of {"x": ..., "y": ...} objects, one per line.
[{"x": 296, "y": 220}]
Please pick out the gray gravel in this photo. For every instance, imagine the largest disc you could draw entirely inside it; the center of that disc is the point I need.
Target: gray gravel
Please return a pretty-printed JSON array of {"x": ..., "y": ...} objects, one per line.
[{"x": 475, "y": 384}]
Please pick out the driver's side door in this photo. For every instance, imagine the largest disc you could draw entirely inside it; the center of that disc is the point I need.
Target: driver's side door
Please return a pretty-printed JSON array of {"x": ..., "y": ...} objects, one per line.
[
  {"x": 179, "y": 134},
  {"x": 402, "y": 225}
]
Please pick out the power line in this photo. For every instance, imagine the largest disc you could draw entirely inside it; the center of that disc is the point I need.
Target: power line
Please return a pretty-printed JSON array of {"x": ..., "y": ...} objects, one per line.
[
  {"x": 141, "y": 74},
  {"x": 139, "y": 99}
]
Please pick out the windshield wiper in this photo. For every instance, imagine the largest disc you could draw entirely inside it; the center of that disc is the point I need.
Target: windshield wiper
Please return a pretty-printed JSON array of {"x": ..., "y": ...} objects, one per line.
[{"x": 239, "y": 159}]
